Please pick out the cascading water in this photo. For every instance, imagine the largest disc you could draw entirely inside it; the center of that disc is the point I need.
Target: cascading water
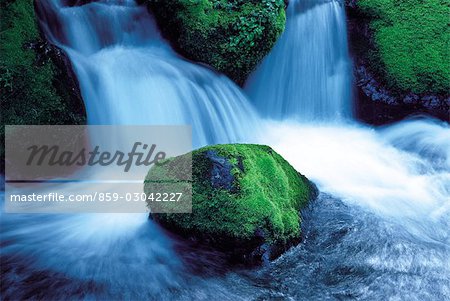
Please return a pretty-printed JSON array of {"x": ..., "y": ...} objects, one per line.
[
  {"x": 129, "y": 75},
  {"x": 387, "y": 238},
  {"x": 306, "y": 78},
  {"x": 307, "y": 74}
]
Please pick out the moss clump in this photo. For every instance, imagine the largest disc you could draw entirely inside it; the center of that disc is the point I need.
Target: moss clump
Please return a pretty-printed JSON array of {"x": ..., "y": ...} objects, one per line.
[
  {"x": 33, "y": 90},
  {"x": 230, "y": 35},
  {"x": 244, "y": 196},
  {"x": 412, "y": 43}
]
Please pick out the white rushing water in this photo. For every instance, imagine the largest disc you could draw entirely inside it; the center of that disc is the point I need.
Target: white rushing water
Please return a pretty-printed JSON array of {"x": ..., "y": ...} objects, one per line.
[
  {"x": 307, "y": 75},
  {"x": 403, "y": 178},
  {"x": 129, "y": 75},
  {"x": 387, "y": 238}
]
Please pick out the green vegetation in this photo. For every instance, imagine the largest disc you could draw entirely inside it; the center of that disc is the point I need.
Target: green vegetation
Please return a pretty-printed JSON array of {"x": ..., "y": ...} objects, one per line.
[
  {"x": 412, "y": 39},
  {"x": 32, "y": 88},
  {"x": 231, "y": 35},
  {"x": 257, "y": 190}
]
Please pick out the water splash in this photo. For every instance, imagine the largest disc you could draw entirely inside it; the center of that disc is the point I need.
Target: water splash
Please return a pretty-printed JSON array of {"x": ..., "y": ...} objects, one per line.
[{"x": 398, "y": 172}]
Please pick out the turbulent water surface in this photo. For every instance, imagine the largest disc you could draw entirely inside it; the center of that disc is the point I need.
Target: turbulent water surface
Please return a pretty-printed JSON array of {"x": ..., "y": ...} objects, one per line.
[{"x": 378, "y": 230}]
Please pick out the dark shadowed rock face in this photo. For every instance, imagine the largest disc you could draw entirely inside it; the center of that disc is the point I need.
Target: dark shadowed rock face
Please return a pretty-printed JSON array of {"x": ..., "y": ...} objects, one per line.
[
  {"x": 376, "y": 101},
  {"x": 378, "y": 105},
  {"x": 221, "y": 175},
  {"x": 65, "y": 80}
]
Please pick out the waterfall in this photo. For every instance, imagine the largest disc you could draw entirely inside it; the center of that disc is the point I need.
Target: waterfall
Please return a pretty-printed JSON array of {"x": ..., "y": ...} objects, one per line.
[
  {"x": 304, "y": 85},
  {"x": 379, "y": 229},
  {"x": 129, "y": 75},
  {"x": 307, "y": 74}
]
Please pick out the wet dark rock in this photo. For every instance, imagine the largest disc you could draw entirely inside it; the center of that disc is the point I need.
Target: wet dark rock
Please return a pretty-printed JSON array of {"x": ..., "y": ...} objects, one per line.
[{"x": 221, "y": 176}]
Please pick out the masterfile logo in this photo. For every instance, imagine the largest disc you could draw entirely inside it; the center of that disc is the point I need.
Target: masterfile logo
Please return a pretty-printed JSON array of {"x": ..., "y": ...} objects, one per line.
[
  {"x": 94, "y": 168},
  {"x": 52, "y": 155}
]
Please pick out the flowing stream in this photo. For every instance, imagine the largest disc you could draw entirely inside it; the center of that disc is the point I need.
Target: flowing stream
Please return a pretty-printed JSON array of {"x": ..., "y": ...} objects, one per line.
[
  {"x": 379, "y": 229},
  {"x": 309, "y": 62},
  {"x": 129, "y": 75}
]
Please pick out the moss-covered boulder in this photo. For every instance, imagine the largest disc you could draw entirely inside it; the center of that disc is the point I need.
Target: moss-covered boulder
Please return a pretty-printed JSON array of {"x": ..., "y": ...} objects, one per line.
[
  {"x": 230, "y": 35},
  {"x": 246, "y": 200},
  {"x": 412, "y": 40},
  {"x": 36, "y": 82},
  {"x": 402, "y": 51}
]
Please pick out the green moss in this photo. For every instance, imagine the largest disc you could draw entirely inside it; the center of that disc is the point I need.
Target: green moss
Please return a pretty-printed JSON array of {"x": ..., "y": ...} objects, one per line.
[
  {"x": 30, "y": 83},
  {"x": 266, "y": 194},
  {"x": 231, "y": 35},
  {"x": 412, "y": 39}
]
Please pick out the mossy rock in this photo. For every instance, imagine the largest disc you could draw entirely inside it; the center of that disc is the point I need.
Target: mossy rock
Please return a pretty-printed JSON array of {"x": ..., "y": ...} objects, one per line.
[
  {"x": 36, "y": 82},
  {"x": 232, "y": 36},
  {"x": 411, "y": 40},
  {"x": 246, "y": 200}
]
